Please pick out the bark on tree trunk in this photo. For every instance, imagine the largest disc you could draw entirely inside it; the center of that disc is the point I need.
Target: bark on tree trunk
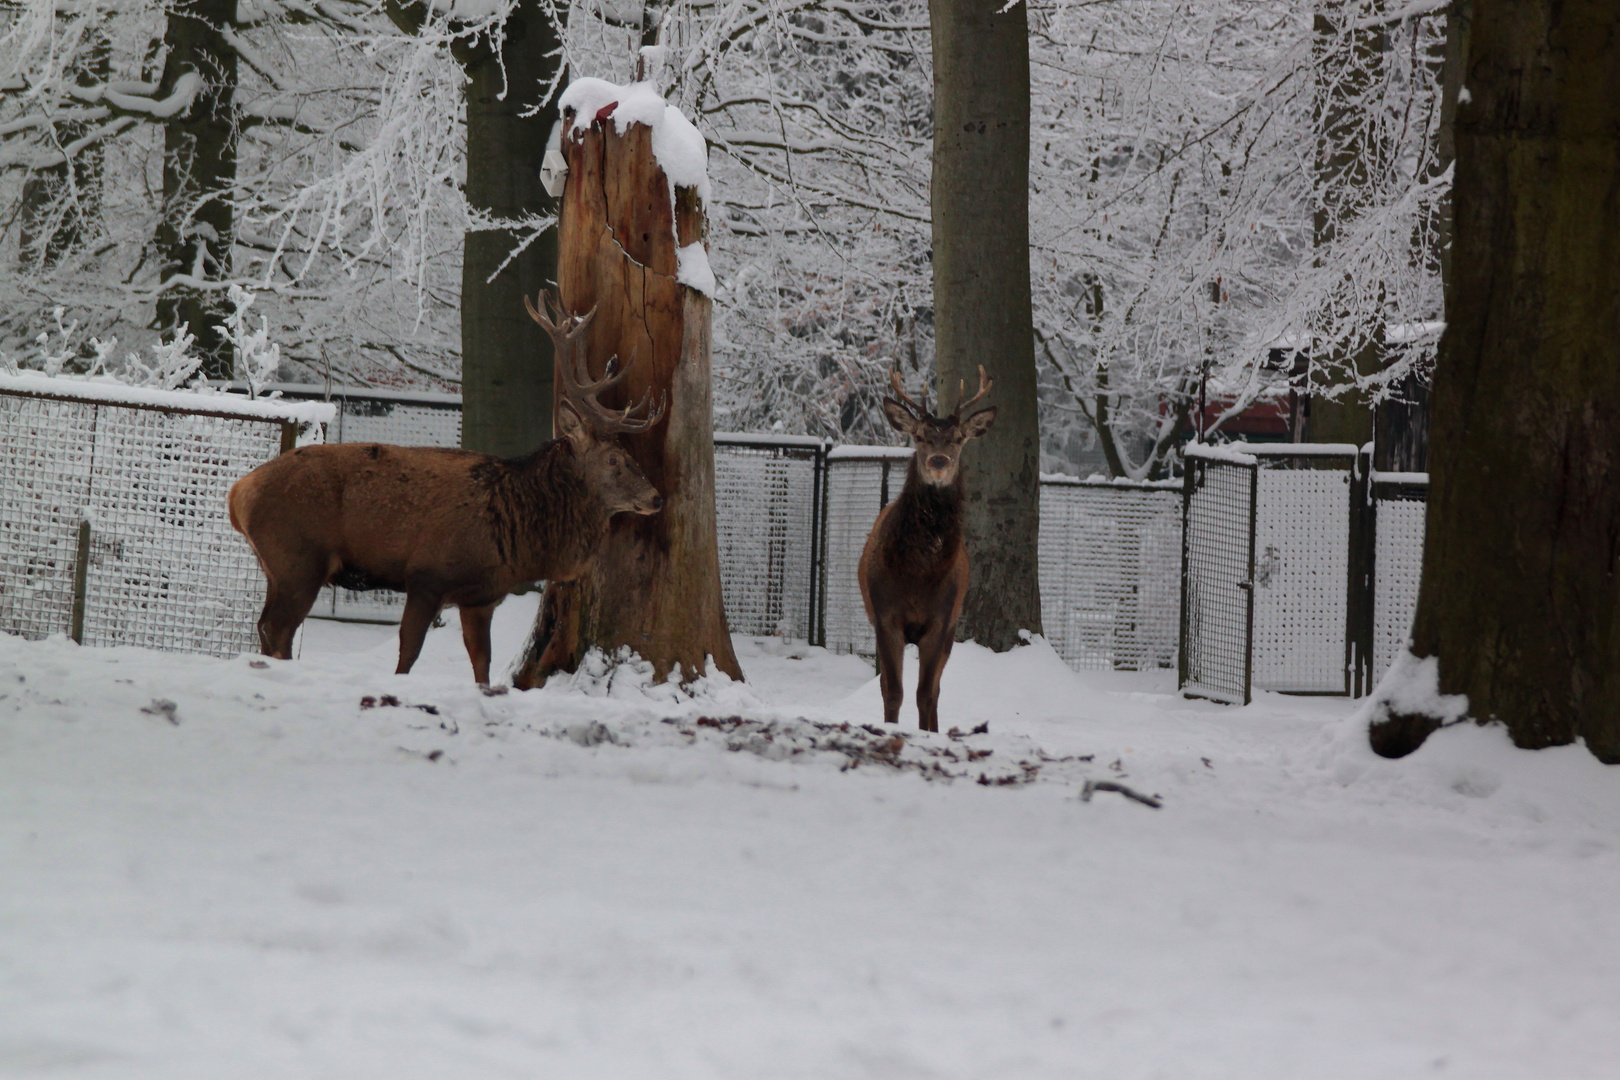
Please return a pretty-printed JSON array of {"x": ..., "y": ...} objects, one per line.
[
  {"x": 506, "y": 361},
  {"x": 982, "y": 300},
  {"x": 655, "y": 582},
  {"x": 1519, "y": 599},
  {"x": 199, "y": 168}
]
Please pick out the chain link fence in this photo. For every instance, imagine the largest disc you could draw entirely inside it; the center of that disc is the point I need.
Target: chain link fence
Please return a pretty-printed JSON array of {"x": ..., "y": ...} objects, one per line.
[
  {"x": 113, "y": 529},
  {"x": 113, "y": 523},
  {"x": 1109, "y": 555},
  {"x": 1107, "y": 561},
  {"x": 767, "y": 493},
  {"x": 861, "y": 481}
]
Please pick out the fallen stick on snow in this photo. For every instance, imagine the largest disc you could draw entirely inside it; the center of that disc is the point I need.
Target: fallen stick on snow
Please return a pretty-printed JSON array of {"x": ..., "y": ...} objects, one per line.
[{"x": 1109, "y": 785}]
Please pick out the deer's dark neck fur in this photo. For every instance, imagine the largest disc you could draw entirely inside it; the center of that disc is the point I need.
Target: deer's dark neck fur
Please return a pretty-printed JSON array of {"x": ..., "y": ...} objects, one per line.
[
  {"x": 925, "y": 526},
  {"x": 545, "y": 521}
]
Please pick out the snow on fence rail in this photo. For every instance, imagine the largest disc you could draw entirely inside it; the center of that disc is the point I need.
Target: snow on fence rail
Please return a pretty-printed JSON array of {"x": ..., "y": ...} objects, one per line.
[{"x": 113, "y": 524}]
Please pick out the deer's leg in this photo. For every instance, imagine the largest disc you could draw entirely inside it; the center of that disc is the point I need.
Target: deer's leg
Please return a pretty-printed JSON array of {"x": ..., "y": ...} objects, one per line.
[
  {"x": 420, "y": 610},
  {"x": 932, "y": 652},
  {"x": 891, "y": 655},
  {"x": 475, "y": 635},
  {"x": 287, "y": 601}
]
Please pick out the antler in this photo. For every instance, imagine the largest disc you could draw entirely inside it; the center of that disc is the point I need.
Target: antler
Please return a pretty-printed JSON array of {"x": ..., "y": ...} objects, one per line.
[
  {"x": 567, "y": 328},
  {"x": 567, "y": 334},
  {"x": 916, "y": 410},
  {"x": 985, "y": 383}
]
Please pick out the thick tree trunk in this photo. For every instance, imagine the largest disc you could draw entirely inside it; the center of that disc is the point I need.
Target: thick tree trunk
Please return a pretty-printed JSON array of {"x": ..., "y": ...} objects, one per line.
[
  {"x": 1519, "y": 600},
  {"x": 655, "y": 583},
  {"x": 982, "y": 299},
  {"x": 506, "y": 374},
  {"x": 199, "y": 169}
]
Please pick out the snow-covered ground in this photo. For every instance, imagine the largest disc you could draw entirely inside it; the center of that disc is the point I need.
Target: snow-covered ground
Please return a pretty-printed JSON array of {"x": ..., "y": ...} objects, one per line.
[{"x": 268, "y": 878}]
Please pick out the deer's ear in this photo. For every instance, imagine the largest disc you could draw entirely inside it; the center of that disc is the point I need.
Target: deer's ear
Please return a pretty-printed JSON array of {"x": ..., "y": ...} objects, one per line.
[
  {"x": 899, "y": 418},
  {"x": 571, "y": 426},
  {"x": 979, "y": 423}
]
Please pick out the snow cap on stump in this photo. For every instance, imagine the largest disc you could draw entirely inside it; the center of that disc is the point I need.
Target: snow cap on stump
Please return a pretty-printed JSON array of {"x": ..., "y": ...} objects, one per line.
[{"x": 680, "y": 149}]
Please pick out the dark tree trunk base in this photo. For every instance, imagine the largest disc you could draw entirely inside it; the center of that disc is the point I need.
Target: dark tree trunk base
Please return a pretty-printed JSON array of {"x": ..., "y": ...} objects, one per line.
[{"x": 1400, "y": 734}]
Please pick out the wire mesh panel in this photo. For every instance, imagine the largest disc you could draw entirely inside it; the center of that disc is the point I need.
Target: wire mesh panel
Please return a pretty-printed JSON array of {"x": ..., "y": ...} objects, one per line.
[
  {"x": 1301, "y": 575},
  {"x": 146, "y": 474},
  {"x": 861, "y": 481},
  {"x": 1109, "y": 569},
  {"x": 166, "y": 570},
  {"x": 765, "y": 521},
  {"x": 398, "y": 423},
  {"x": 1400, "y": 506},
  {"x": 44, "y": 485},
  {"x": 1217, "y": 560}
]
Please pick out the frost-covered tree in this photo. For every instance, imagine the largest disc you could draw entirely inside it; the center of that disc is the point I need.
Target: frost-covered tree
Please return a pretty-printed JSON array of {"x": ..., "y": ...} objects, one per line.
[
  {"x": 1204, "y": 208},
  {"x": 1185, "y": 212},
  {"x": 1181, "y": 225},
  {"x": 155, "y": 153}
]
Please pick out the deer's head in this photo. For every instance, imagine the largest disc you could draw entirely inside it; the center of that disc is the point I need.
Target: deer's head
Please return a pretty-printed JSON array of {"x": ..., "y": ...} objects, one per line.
[
  {"x": 938, "y": 440},
  {"x": 593, "y": 430}
]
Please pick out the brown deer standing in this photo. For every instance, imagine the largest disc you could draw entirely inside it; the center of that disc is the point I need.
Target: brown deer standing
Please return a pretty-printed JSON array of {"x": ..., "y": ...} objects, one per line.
[
  {"x": 914, "y": 568},
  {"x": 446, "y": 526}
]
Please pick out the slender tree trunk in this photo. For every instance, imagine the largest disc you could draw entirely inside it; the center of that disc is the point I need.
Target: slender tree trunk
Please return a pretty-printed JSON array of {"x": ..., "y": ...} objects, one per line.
[
  {"x": 61, "y": 204},
  {"x": 199, "y": 169},
  {"x": 506, "y": 376},
  {"x": 982, "y": 299},
  {"x": 1519, "y": 601},
  {"x": 1345, "y": 149},
  {"x": 655, "y": 583}
]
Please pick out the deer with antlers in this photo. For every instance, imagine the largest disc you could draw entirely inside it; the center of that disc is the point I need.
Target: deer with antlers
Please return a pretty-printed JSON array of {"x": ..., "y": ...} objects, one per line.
[
  {"x": 446, "y": 526},
  {"x": 914, "y": 568}
]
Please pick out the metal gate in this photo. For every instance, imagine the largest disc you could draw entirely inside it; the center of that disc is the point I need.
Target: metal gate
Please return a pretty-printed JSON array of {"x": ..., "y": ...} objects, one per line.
[
  {"x": 1303, "y": 609},
  {"x": 1217, "y": 573},
  {"x": 1275, "y": 582}
]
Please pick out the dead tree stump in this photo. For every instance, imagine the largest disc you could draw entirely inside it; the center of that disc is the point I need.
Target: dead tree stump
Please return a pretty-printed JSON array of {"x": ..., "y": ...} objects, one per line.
[{"x": 655, "y": 583}]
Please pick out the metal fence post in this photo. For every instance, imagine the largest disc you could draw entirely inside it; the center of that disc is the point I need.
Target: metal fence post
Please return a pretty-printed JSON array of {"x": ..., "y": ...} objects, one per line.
[
  {"x": 1358, "y": 631},
  {"x": 1188, "y": 469},
  {"x": 821, "y": 542},
  {"x": 1248, "y": 634},
  {"x": 81, "y": 570},
  {"x": 814, "y": 632}
]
